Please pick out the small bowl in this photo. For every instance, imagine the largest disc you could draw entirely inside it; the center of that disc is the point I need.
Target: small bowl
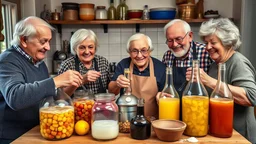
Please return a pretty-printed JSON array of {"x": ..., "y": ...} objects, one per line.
[
  {"x": 135, "y": 14},
  {"x": 168, "y": 130}
]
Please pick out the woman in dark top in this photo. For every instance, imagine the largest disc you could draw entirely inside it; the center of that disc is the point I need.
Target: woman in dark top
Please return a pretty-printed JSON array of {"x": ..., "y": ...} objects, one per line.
[{"x": 93, "y": 68}]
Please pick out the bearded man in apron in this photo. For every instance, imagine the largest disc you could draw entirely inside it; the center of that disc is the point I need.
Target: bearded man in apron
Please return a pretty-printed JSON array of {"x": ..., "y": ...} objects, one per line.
[
  {"x": 147, "y": 73},
  {"x": 182, "y": 51}
]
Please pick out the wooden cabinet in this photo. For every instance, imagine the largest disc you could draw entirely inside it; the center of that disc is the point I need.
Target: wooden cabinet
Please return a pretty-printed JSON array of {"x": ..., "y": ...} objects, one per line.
[{"x": 105, "y": 23}]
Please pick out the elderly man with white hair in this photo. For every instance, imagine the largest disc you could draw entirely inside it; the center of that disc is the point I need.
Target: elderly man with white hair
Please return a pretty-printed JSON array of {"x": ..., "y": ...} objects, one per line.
[{"x": 147, "y": 73}]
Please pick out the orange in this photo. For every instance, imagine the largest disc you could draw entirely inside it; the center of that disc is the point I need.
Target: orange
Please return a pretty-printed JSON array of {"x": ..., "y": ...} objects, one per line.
[{"x": 82, "y": 127}]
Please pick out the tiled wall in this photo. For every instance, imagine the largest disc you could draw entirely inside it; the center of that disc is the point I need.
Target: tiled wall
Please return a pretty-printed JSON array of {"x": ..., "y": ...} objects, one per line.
[{"x": 113, "y": 44}]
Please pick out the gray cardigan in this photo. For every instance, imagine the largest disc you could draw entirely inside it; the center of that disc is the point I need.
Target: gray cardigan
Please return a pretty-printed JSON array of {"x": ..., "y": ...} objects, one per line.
[
  {"x": 23, "y": 85},
  {"x": 240, "y": 72}
]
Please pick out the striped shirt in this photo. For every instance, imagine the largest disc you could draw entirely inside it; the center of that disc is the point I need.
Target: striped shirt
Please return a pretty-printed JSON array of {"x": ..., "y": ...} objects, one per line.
[
  {"x": 202, "y": 55},
  {"x": 103, "y": 65}
]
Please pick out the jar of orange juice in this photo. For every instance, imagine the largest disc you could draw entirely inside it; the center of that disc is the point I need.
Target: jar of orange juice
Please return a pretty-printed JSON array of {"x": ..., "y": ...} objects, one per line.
[
  {"x": 83, "y": 103},
  {"x": 195, "y": 105},
  {"x": 57, "y": 117},
  {"x": 169, "y": 101}
]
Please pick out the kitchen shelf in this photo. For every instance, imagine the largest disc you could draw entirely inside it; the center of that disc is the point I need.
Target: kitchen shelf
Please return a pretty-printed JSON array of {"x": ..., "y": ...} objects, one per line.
[{"x": 105, "y": 23}]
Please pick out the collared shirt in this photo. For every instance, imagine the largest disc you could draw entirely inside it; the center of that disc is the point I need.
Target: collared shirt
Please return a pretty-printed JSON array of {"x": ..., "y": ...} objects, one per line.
[
  {"x": 202, "y": 55},
  {"x": 103, "y": 66},
  {"x": 28, "y": 57}
]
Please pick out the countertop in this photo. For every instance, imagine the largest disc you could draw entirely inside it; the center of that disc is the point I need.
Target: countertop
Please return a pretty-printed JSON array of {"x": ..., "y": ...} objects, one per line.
[{"x": 34, "y": 137}]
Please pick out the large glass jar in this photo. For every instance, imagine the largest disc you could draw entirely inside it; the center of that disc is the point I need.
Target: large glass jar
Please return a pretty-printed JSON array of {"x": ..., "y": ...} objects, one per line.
[
  {"x": 57, "y": 116},
  {"x": 122, "y": 11},
  {"x": 195, "y": 105},
  {"x": 83, "y": 103},
  {"x": 104, "y": 117}
]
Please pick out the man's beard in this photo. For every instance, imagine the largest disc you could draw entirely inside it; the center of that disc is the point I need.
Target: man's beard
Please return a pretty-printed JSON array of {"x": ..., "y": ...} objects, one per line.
[{"x": 181, "y": 53}]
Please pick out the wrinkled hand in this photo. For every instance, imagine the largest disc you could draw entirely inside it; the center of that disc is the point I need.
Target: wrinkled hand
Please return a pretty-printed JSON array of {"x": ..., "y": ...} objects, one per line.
[
  {"x": 91, "y": 76},
  {"x": 122, "y": 81},
  {"x": 161, "y": 94},
  {"x": 204, "y": 77},
  {"x": 68, "y": 78}
]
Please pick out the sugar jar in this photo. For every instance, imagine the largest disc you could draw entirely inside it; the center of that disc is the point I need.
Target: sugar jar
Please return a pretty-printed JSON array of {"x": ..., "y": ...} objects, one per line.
[
  {"x": 101, "y": 13},
  {"x": 104, "y": 117},
  {"x": 83, "y": 103},
  {"x": 56, "y": 116}
]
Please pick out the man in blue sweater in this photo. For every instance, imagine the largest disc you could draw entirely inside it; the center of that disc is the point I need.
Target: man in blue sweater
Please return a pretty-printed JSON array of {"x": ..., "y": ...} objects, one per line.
[{"x": 25, "y": 80}]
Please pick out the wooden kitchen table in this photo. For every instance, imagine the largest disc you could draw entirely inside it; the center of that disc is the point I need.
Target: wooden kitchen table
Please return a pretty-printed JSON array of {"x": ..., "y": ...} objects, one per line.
[{"x": 34, "y": 137}]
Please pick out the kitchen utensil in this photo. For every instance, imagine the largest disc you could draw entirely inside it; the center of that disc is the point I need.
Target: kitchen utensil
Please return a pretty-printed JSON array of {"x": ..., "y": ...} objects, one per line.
[
  {"x": 55, "y": 15},
  {"x": 187, "y": 11},
  {"x": 70, "y": 10},
  {"x": 135, "y": 14},
  {"x": 162, "y": 13},
  {"x": 168, "y": 130}
]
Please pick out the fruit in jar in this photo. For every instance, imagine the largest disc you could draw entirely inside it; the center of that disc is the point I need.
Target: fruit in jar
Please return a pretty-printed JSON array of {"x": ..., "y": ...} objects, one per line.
[
  {"x": 56, "y": 122},
  {"x": 82, "y": 127},
  {"x": 195, "y": 111},
  {"x": 83, "y": 110}
]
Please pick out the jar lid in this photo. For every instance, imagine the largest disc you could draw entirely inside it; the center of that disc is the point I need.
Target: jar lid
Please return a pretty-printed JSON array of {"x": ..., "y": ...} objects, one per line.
[
  {"x": 104, "y": 96},
  {"x": 127, "y": 100},
  {"x": 101, "y": 7}
]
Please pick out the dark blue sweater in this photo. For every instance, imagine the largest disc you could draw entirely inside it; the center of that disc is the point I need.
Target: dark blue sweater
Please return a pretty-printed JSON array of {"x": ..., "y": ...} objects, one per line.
[{"x": 22, "y": 86}]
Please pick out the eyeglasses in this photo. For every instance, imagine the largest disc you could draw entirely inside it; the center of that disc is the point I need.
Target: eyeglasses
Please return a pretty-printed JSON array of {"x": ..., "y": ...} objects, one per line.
[
  {"x": 178, "y": 40},
  {"x": 135, "y": 52}
]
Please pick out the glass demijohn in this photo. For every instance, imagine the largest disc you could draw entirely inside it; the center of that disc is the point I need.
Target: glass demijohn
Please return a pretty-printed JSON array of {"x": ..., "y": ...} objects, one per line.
[
  {"x": 169, "y": 101},
  {"x": 195, "y": 105},
  {"x": 57, "y": 116},
  {"x": 127, "y": 105},
  {"x": 104, "y": 117},
  {"x": 221, "y": 106}
]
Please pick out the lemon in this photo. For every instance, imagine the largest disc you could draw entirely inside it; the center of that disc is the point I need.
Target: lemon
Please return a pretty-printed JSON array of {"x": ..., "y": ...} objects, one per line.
[{"x": 82, "y": 127}]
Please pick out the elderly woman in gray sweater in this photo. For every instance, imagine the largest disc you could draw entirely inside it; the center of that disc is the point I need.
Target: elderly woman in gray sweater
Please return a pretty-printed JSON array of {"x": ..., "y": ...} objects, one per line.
[{"x": 222, "y": 38}]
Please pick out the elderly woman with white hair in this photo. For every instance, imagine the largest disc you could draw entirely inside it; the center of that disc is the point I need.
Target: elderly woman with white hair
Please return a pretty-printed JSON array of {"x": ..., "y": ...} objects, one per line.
[
  {"x": 93, "y": 68},
  {"x": 147, "y": 73},
  {"x": 222, "y": 38}
]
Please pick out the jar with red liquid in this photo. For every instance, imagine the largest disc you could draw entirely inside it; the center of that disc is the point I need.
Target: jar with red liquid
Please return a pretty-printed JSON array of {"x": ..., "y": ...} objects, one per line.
[
  {"x": 83, "y": 103},
  {"x": 221, "y": 106}
]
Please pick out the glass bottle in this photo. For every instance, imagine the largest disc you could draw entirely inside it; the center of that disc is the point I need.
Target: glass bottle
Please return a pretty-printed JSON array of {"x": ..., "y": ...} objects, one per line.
[
  {"x": 145, "y": 15},
  {"x": 112, "y": 11},
  {"x": 169, "y": 101},
  {"x": 57, "y": 116},
  {"x": 122, "y": 11},
  {"x": 221, "y": 106},
  {"x": 195, "y": 105},
  {"x": 127, "y": 105},
  {"x": 83, "y": 103},
  {"x": 104, "y": 117},
  {"x": 140, "y": 126}
]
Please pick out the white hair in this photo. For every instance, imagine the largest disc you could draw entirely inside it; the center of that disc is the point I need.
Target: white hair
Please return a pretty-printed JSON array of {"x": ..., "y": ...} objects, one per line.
[
  {"x": 79, "y": 36},
  {"x": 27, "y": 28},
  {"x": 224, "y": 29},
  {"x": 186, "y": 26},
  {"x": 138, "y": 36}
]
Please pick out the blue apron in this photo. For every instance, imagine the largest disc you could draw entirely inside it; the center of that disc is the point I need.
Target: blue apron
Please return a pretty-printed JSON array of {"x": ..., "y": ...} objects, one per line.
[
  {"x": 179, "y": 76},
  {"x": 77, "y": 61}
]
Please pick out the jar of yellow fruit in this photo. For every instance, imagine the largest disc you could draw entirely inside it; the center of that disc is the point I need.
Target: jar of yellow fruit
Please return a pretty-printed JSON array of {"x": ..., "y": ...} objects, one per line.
[
  {"x": 57, "y": 117},
  {"x": 195, "y": 105}
]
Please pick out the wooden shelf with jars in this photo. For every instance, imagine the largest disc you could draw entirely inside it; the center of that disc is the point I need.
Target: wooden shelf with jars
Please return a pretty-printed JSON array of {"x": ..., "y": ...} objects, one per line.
[{"x": 105, "y": 23}]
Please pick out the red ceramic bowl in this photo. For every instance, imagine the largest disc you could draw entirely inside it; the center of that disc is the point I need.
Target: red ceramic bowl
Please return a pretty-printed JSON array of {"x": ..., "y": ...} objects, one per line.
[{"x": 135, "y": 14}]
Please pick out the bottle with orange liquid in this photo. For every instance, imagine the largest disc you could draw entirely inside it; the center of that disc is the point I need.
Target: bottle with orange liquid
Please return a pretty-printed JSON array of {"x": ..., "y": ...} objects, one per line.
[
  {"x": 169, "y": 101},
  {"x": 195, "y": 105},
  {"x": 221, "y": 106}
]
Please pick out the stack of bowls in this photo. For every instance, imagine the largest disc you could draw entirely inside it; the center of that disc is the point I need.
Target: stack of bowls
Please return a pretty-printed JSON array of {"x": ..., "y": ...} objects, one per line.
[{"x": 164, "y": 13}]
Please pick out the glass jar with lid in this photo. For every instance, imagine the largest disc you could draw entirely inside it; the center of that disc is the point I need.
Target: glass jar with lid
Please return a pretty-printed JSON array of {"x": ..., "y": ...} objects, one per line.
[
  {"x": 57, "y": 116},
  {"x": 83, "y": 103},
  {"x": 101, "y": 13},
  {"x": 104, "y": 117}
]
